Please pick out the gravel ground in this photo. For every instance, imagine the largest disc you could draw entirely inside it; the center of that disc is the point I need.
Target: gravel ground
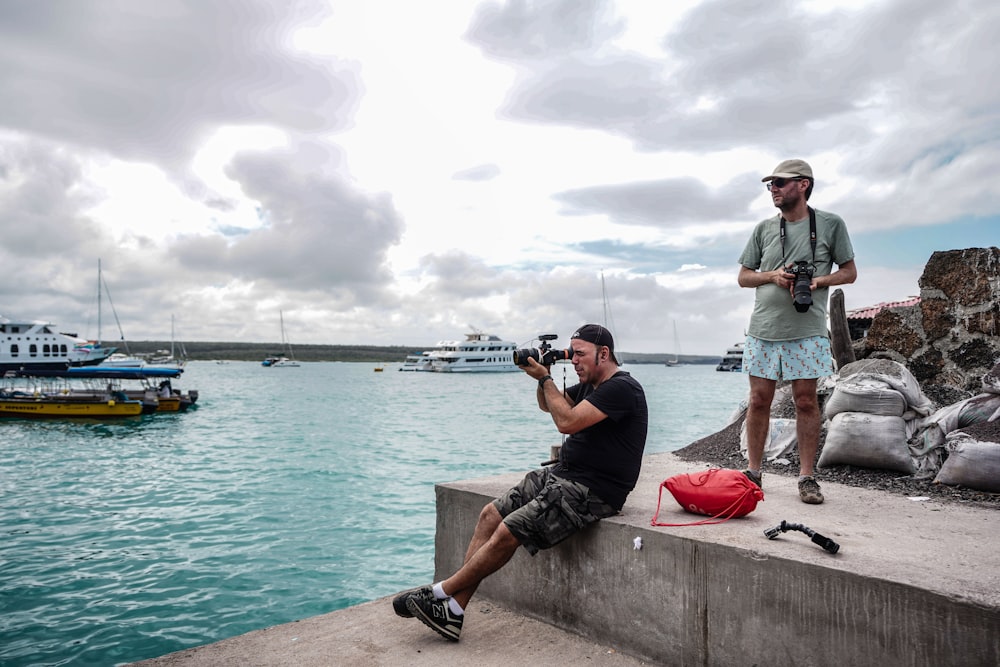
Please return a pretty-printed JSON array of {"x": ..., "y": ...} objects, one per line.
[{"x": 723, "y": 449}]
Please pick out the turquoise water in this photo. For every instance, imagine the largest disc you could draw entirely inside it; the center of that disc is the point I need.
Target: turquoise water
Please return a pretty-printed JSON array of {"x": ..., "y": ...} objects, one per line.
[{"x": 287, "y": 493}]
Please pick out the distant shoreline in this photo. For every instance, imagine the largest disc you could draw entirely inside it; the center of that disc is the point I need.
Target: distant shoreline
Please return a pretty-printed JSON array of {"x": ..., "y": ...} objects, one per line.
[{"x": 213, "y": 351}]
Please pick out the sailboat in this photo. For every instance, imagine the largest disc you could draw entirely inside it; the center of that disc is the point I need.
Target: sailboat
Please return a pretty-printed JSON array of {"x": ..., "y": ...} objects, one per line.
[
  {"x": 675, "y": 361},
  {"x": 166, "y": 359},
  {"x": 118, "y": 359},
  {"x": 286, "y": 360}
]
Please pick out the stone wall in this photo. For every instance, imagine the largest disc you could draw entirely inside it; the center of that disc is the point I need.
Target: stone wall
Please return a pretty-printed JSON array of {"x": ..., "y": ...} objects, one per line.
[{"x": 951, "y": 339}]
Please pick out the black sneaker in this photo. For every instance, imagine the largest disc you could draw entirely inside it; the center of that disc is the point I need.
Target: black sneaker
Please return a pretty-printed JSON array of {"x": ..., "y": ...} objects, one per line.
[
  {"x": 755, "y": 477},
  {"x": 436, "y": 615},
  {"x": 399, "y": 602}
]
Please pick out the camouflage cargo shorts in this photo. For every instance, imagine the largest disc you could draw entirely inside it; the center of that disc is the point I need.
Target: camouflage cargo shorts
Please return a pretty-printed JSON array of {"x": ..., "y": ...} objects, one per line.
[{"x": 543, "y": 510}]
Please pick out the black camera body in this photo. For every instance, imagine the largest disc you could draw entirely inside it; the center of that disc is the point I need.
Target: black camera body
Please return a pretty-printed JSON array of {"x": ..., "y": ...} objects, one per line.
[
  {"x": 543, "y": 354},
  {"x": 802, "y": 296}
]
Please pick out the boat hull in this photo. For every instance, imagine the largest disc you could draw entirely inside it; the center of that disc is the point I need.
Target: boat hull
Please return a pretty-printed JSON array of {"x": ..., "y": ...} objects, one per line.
[
  {"x": 54, "y": 365},
  {"x": 49, "y": 408}
]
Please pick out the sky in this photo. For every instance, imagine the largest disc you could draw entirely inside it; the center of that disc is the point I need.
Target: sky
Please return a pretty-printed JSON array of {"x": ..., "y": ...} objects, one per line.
[{"x": 388, "y": 172}]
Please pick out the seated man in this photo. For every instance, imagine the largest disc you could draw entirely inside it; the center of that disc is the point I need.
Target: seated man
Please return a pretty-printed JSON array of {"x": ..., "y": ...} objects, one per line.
[{"x": 606, "y": 419}]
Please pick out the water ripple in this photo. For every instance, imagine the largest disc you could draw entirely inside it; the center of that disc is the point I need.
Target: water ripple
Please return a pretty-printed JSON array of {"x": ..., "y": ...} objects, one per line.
[{"x": 285, "y": 494}]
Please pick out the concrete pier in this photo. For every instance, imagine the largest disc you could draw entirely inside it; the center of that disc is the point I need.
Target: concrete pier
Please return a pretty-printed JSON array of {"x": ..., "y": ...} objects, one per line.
[{"x": 915, "y": 583}]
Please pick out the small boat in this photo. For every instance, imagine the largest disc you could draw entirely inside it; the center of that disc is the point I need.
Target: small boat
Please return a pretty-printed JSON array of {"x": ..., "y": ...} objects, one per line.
[
  {"x": 26, "y": 396},
  {"x": 119, "y": 360},
  {"x": 167, "y": 358},
  {"x": 417, "y": 362},
  {"x": 675, "y": 360},
  {"x": 733, "y": 359},
  {"x": 380, "y": 368},
  {"x": 48, "y": 407},
  {"x": 154, "y": 389},
  {"x": 278, "y": 362},
  {"x": 285, "y": 360}
]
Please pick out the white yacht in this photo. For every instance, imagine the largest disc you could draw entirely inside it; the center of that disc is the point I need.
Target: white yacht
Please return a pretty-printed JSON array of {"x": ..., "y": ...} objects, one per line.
[
  {"x": 479, "y": 352},
  {"x": 417, "y": 362},
  {"x": 37, "y": 345},
  {"x": 733, "y": 360}
]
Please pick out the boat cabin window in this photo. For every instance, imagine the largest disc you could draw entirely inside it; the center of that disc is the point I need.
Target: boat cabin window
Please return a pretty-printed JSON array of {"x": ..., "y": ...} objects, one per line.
[
  {"x": 32, "y": 350},
  {"x": 46, "y": 350},
  {"x": 13, "y": 350},
  {"x": 62, "y": 351}
]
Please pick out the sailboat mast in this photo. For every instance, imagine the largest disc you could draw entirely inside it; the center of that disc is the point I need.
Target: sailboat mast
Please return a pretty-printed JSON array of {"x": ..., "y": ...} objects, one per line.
[
  {"x": 604, "y": 299},
  {"x": 98, "y": 302}
]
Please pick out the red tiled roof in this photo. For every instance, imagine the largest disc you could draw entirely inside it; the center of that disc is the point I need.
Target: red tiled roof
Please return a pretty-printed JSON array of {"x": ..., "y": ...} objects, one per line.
[{"x": 868, "y": 312}]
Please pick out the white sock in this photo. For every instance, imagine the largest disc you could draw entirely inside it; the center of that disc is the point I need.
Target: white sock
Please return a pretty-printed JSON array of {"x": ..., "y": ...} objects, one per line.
[
  {"x": 455, "y": 607},
  {"x": 439, "y": 591}
]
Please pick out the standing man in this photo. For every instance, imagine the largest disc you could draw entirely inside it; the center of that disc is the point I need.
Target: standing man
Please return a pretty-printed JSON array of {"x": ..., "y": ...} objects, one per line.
[
  {"x": 606, "y": 419},
  {"x": 788, "y": 338}
]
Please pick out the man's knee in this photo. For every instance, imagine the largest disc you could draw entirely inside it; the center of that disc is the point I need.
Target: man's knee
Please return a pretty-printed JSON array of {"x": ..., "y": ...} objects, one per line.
[
  {"x": 805, "y": 396},
  {"x": 490, "y": 517}
]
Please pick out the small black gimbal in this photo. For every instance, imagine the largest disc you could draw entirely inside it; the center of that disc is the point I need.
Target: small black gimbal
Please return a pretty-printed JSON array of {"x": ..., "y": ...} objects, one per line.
[{"x": 784, "y": 526}]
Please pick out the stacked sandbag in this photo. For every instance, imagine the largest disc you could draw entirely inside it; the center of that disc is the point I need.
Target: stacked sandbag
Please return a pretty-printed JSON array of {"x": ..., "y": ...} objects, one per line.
[
  {"x": 781, "y": 436},
  {"x": 868, "y": 441},
  {"x": 870, "y": 411},
  {"x": 929, "y": 442},
  {"x": 973, "y": 458}
]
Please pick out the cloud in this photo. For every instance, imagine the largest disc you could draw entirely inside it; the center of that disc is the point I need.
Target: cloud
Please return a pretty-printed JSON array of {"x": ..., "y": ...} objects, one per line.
[
  {"x": 42, "y": 191},
  {"x": 149, "y": 80},
  {"x": 482, "y": 172},
  {"x": 521, "y": 30},
  {"x": 665, "y": 203},
  {"x": 806, "y": 82},
  {"x": 320, "y": 233}
]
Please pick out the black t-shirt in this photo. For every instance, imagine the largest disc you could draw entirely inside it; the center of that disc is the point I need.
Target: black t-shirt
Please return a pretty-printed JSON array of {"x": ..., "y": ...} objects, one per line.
[{"x": 607, "y": 456}]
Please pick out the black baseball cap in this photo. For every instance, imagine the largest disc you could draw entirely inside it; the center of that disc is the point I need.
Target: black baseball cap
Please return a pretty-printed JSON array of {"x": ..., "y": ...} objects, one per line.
[{"x": 598, "y": 335}]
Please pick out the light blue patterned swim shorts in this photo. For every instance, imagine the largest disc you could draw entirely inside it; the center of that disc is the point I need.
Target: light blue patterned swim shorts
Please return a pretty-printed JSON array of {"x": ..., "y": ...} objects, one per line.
[{"x": 799, "y": 359}]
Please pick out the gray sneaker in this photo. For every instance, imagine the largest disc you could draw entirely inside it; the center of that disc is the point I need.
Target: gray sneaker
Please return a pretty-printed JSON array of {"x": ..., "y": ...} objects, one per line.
[
  {"x": 809, "y": 491},
  {"x": 755, "y": 477},
  {"x": 399, "y": 602},
  {"x": 436, "y": 615}
]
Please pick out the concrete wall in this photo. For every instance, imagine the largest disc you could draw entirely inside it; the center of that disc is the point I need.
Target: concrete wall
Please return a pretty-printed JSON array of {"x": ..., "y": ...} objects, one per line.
[{"x": 686, "y": 600}]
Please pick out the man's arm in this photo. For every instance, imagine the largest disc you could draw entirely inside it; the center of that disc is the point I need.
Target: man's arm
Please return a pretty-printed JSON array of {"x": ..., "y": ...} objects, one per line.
[
  {"x": 845, "y": 274},
  {"x": 569, "y": 418},
  {"x": 750, "y": 278}
]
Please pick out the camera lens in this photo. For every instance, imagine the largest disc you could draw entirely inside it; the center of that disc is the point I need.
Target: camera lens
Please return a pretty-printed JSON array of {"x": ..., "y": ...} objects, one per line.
[
  {"x": 521, "y": 356},
  {"x": 802, "y": 292}
]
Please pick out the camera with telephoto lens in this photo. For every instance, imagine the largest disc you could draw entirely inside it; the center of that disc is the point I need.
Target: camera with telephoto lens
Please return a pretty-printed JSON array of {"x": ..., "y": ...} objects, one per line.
[
  {"x": 543, "y": 354},
  {"x": 802, "y": 296}
]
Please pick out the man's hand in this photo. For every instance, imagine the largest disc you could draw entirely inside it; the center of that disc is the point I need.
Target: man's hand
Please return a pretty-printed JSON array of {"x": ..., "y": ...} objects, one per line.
[
  {"x": 787, "y": 278},
  {"x": 535, "y": 369}
]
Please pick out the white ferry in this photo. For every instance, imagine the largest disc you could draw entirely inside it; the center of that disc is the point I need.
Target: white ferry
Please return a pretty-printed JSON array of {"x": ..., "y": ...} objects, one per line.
[
  {"x": 733, "y": 360},
  {"x": 479, "y": 352},
  {"x": 36, "y": 345}
]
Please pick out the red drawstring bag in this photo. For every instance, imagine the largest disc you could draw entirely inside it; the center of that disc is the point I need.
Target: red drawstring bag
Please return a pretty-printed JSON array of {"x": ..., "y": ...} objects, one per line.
[{"x": 720, "y": 493}]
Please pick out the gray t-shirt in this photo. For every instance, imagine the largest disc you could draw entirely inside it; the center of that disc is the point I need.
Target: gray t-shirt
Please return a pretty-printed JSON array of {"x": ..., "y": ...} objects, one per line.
[{"x": 774, "y": 316}]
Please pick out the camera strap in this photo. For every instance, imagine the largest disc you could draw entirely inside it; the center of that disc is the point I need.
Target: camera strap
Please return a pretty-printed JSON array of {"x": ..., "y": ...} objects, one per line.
[{"x": 812, "y": 235}]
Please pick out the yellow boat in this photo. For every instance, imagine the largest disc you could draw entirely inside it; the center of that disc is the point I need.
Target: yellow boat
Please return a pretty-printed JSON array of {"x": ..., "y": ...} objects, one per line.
[{"x": 48, "y": 407}]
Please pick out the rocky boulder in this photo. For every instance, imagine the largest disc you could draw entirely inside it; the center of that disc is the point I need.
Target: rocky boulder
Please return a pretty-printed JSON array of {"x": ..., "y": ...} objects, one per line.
[{"x": 951, "y": 339}]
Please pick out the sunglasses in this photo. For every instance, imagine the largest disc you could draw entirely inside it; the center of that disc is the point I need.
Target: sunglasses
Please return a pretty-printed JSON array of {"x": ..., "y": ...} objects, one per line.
[{"x": 781, "y": 182}]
